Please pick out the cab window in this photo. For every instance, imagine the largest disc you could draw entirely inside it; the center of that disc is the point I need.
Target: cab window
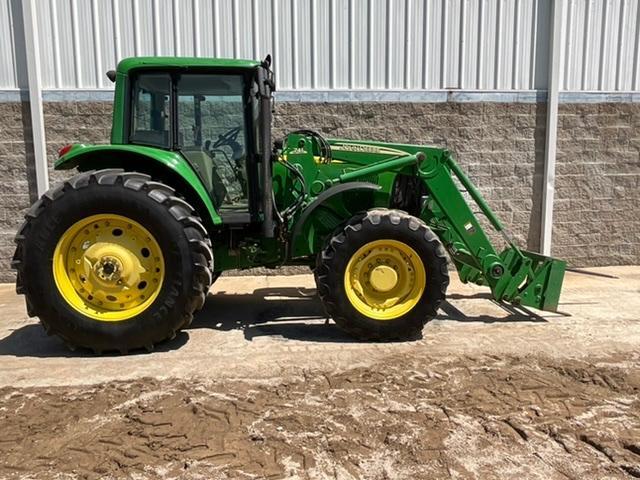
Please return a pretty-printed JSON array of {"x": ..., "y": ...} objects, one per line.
[
  {"x": 151, "y": 110},
  {"x": 212, "y": 134}
]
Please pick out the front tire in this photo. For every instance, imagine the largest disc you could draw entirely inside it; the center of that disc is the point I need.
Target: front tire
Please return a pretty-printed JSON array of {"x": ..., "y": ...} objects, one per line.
[
  {"x": 383, "y": 276},
  {"x": 112, "y": 260}
]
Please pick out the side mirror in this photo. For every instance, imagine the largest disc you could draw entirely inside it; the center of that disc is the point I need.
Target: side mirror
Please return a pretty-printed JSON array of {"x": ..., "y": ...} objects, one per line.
[{"x": 111, "y": 75}]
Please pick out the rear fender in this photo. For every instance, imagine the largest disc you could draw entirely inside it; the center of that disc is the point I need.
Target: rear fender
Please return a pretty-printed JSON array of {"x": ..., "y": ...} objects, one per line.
[
  {"x": 329, "y": 210},
  {"x": 163, "y": 165}
]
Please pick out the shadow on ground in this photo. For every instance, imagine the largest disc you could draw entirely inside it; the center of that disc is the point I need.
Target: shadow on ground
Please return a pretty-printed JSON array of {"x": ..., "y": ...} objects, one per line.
[
  {"x": 297, "y": 314},
  {"x": 32, "y": 341},
  {"x": 285, "y": 312}
]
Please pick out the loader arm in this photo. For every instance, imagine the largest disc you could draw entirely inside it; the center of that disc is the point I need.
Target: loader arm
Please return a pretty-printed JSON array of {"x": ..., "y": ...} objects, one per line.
[{"x": 514, "y": 275}]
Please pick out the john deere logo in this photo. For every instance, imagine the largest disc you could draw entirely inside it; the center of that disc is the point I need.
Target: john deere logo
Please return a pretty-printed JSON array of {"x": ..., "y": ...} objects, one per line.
[{"x": 363, "y": 148}]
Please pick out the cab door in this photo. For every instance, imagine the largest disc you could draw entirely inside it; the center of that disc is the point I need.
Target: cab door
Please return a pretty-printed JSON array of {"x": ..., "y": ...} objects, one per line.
[{"x": 213, "y": 116}]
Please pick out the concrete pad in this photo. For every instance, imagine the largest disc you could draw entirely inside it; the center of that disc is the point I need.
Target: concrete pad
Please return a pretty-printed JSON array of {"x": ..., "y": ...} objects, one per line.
[{"x": 261, "y": 327}]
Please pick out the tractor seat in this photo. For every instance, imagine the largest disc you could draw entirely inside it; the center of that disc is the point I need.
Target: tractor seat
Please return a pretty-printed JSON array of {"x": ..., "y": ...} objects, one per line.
[{"x": 206, "y": 168}]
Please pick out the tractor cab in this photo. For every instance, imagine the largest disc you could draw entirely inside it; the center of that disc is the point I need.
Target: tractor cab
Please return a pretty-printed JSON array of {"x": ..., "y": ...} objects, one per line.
[{"x": 211, "y": 115}]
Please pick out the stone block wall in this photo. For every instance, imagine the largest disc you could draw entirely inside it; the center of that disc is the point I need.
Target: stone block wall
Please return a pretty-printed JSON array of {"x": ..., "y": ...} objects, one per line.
[
  {"x": 74, "y": 122},
  {"x": 499, "y": 145},
  {"x": 597, "y": 202},
  {"x": 17, "y": 181}
]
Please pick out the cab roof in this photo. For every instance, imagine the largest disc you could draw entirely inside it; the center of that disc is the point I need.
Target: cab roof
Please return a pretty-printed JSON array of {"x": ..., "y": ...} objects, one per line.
[{"x": 132, "y": 63}]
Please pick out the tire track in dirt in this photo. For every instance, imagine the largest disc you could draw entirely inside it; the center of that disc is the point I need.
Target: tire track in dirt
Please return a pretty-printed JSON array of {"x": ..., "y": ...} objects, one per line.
[{"x": 474, "y": 417}]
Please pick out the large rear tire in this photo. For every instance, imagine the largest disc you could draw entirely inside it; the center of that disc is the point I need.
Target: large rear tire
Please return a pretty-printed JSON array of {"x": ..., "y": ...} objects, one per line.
[
  {"x": 113, "y": 261},
  {"x": 383, "y": 276}
]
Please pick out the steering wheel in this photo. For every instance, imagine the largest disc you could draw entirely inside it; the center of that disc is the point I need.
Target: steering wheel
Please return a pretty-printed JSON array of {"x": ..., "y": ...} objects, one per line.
[{"x": 228, "y": 138}]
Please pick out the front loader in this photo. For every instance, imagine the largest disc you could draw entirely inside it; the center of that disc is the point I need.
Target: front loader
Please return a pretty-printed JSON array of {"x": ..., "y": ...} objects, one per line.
[{"x": 122, "y": 254}]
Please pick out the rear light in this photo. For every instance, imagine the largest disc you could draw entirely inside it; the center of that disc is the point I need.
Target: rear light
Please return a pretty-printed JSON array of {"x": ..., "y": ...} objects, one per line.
[{"x": 64, "y": 150}]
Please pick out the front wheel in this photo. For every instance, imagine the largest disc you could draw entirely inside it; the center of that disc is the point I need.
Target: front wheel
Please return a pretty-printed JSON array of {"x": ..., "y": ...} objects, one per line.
[
  {"x": 111, "y": 260},
  {"x": 383, "y": 276}
]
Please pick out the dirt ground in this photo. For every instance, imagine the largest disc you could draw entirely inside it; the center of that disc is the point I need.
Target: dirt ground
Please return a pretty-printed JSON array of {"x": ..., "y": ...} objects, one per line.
[{"x": 260, "y": 387}]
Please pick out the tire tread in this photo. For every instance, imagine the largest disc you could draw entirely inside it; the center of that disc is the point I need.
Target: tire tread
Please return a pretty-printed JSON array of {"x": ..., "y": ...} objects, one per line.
[
  {"x": 198, "y": 240},
  {"x": 324, "y": 266}
]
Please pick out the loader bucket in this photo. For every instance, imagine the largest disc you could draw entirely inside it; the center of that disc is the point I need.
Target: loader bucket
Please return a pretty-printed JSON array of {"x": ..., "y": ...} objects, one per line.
[{"x": 542, "y": 286}]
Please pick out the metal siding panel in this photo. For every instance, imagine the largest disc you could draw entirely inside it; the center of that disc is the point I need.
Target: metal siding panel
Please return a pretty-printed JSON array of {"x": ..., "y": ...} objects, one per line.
[
  {"x": 161, "y": 23},
  {"x": 245, "y": 28},
  {"x": 323, "y": 45},
  {"x": 283, "y": 56},
  {"x": 469, "y": 44},
  {"x": 206, "y": 24},
  {"x": 303, "y": 44},
  {"x": 573, "y": 50},
  {"x": 592, "y": 46},
  {"x": 8, "y": 75},
  {"x": 97, "y": 43},
  {"x": 634, "y": 56},
  {"x": 185, "y": 33},
  {"x": 344, "y": 44},
  {"x": 506, "y": 45},
  {"x": 108, "y": 59},
  {"x": 67, "y": 60},
  {"x": 45, "y": 40},
  {"x": 360, "y": 43},
  {"x": 432, "y": 66},
  {"x": 606, "y": 54},
  {"x": 86, "y": 48},
  {"x": 264, "y": 34},
  {"x": 526, "y": 39},
  {"x": 519, "y": 51},
  {"x": 145, "y": 27},
  {"x": 625, "y": 41},
  {"x": 415, "y": 55},
  {"x": 610, "y": 46},
  {"x": 451, "y": 49},
  {"x": 487, "y": 59},
  {"x": 125, "y": 22},
  {"x": 225, "y": 32},
  {"x": 396, "y": 50},
  {"x": 341, "y": 51},
  {"x": 378, "y": 47},
  {"x": 540, "y": 52}
]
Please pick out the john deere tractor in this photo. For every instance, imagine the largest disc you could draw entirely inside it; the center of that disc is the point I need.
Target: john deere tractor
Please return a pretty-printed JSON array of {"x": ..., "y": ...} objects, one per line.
[{"x": 122, "y": 254}]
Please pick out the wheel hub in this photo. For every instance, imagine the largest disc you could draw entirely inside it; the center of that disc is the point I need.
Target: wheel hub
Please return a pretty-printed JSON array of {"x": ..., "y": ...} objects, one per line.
[
  {"x": 108, "y": 267},
  {"x": 383, "y": 278},
  {"x": 112, "y": 264}
]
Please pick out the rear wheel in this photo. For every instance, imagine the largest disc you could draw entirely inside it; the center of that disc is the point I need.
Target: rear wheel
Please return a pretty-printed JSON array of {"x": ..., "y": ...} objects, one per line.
[
  {"x": 383, "y": 276},
  {"x": 112, "y": 260}
]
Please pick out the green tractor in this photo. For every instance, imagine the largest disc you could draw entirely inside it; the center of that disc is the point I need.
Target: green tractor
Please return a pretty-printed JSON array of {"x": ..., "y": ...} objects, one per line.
[{"x": 122, "y": 254}]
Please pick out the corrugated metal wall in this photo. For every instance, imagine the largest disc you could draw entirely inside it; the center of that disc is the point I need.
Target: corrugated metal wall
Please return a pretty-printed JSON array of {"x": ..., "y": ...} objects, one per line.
[
  {"x": 340, "y": 44},
  {"x": 8, "y": 67}
]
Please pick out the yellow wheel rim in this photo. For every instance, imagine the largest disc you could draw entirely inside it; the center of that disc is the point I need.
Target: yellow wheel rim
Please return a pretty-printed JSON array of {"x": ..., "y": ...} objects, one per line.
[
  {"x": 385, "y": 279},
  {"x": 108, "y": 267}
]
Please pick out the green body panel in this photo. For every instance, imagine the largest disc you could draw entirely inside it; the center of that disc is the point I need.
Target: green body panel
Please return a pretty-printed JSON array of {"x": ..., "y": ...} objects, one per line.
[
  {"x": 88, "y": 155},
  {"x": 164, "y": 63}
]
